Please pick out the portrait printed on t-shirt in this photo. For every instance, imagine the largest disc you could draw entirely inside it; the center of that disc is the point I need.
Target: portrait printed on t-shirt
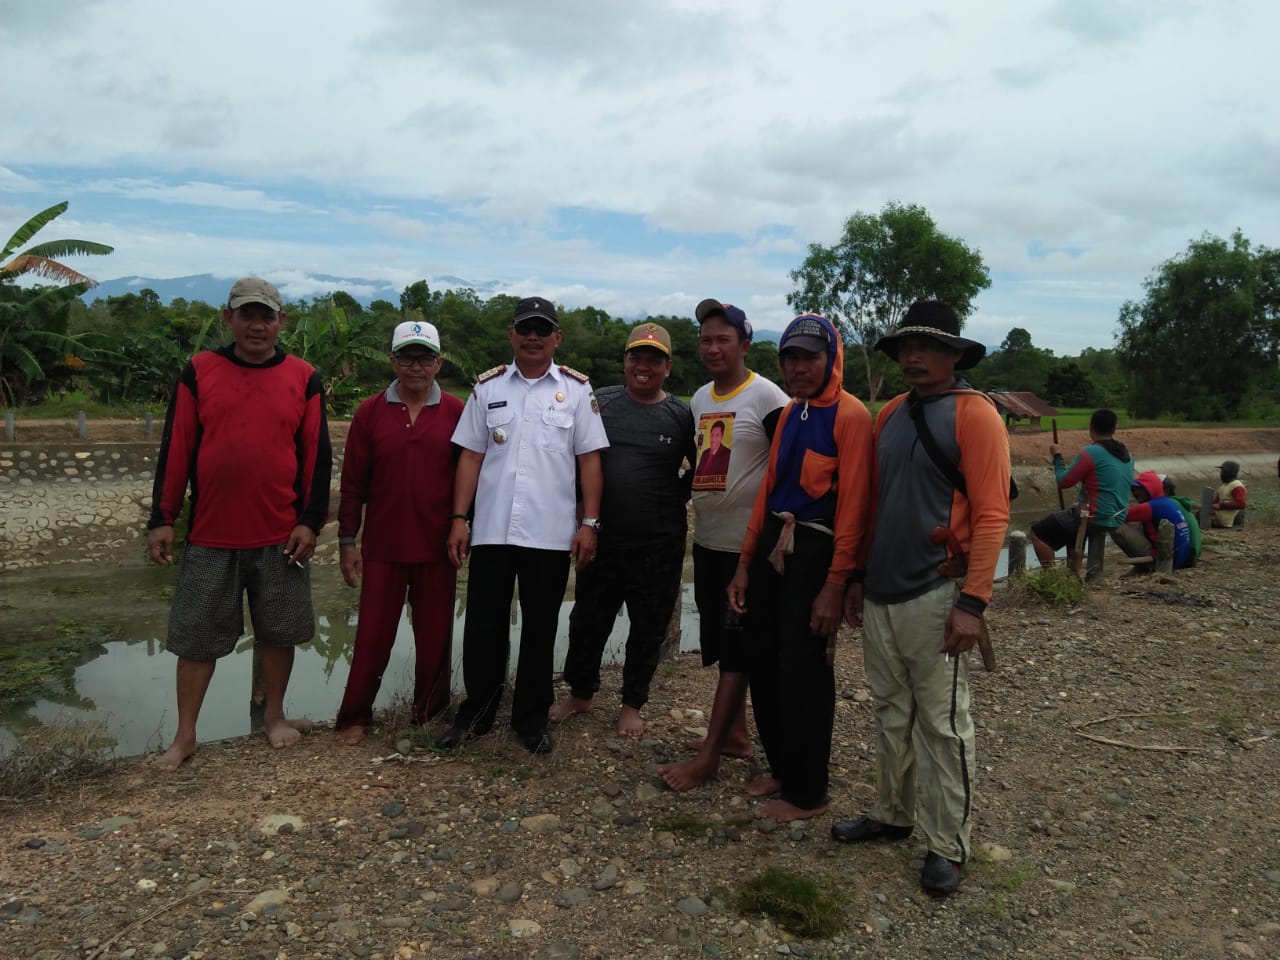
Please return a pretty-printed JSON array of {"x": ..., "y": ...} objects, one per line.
[{"x": 715, "y": 446}]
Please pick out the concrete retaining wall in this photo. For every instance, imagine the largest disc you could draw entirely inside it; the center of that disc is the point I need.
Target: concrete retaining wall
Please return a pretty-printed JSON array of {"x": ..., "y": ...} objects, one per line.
[{"x": 79, "y": 503}]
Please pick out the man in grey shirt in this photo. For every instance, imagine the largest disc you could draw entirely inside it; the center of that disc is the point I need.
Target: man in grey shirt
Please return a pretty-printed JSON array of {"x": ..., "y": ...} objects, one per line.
[{"x": 640, "y": 553}]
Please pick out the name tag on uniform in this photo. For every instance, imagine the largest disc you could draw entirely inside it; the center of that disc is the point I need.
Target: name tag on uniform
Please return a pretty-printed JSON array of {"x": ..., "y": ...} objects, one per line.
[{"x": 496, "y": 404}]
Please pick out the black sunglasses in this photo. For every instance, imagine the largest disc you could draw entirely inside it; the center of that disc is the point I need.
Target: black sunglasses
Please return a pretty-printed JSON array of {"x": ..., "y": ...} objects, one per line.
[{"x": 543, "y": 328}]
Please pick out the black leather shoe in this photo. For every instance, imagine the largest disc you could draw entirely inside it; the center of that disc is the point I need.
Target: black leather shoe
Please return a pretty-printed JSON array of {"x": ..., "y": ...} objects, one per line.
[
  {"x": 939, "y": 875},
  {"x": 452, "y": 738},
  {"x": 864, "y": 830},
  {"x": 537, "y": 742}
]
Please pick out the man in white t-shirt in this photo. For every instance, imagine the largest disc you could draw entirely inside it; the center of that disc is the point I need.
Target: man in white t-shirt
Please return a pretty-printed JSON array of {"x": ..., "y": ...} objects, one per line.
[{"x": 729, "y": 415}]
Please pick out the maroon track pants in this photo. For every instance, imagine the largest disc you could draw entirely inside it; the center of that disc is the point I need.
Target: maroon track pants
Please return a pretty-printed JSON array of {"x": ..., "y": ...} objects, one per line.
[{"x": 430, "y": 588}]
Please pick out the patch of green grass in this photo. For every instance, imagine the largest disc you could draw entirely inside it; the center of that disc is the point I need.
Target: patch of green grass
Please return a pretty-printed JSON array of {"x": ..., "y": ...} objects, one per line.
[
  {"x": 799, "y": 904},
  {"x": 1056, "y": 585},
  {"x": 1012, "y": 876},
  {"x": 44, "y": 758}
]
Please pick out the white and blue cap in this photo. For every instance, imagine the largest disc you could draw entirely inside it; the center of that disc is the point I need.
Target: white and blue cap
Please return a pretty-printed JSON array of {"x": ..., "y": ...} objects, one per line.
[{"x": 415, "y": 332}]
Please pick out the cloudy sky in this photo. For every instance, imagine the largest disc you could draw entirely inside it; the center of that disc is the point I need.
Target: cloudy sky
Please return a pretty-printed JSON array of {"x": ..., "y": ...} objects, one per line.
[{"x": 641, "y": 156}]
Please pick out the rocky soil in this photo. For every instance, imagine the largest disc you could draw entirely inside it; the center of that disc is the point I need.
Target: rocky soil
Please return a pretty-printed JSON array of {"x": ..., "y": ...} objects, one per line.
[{"x": 1126, "y": 805}]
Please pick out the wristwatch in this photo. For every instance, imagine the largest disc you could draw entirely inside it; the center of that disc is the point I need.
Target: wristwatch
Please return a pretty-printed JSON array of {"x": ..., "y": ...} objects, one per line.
[{"x": 591, "y": 522}]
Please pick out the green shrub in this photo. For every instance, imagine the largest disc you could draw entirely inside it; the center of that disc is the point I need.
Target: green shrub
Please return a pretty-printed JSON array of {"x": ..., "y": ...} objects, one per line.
[
  {"x": 799, "y": 904},
  {"x": 1056, "y": 584}
]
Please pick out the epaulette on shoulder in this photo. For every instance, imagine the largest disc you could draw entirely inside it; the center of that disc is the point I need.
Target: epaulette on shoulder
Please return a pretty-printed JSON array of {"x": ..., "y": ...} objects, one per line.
[
  {"x": 491, "y": 373},
  {"x": 576, "y": 374}
]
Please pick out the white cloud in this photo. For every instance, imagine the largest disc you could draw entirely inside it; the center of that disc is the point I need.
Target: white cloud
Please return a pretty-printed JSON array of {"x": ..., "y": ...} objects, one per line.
[{"x": 1114, "y": 131}]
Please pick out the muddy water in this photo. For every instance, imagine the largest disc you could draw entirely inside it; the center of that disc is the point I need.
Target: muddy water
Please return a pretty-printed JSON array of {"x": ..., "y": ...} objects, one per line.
[{"x": 125, "y": 680}]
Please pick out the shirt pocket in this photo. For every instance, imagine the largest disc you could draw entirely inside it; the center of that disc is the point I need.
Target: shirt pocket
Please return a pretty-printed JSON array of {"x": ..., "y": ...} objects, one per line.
[
  {"x": 557, "y": 430},
  {"x": 818, "y": 473},
  {"x": 496, "y": 418}
]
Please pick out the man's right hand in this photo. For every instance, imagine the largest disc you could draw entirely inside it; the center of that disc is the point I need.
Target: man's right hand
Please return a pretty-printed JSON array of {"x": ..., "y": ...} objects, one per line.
[
  {"x": 853, "y": 605},
  {"x": 1055, "y": 450},
  {"x": 352, "y": 564},
  {"x": 160, "y": 545},
  {"x": 459, "y": 542}
]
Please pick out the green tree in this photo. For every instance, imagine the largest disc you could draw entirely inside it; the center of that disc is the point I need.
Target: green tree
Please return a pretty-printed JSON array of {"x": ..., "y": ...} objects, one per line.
[
  {"x": 1069, "y": 386},
  {"x": 33, "y": 322},
  {"x": 1017, "y": 365},
  {"x": 881, "y": 264},
  {"x": 1205, "y": 340}
]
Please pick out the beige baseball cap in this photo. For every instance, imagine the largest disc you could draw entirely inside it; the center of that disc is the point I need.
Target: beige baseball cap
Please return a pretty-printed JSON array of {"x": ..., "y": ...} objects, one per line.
[{"x": 254, "y": 290}]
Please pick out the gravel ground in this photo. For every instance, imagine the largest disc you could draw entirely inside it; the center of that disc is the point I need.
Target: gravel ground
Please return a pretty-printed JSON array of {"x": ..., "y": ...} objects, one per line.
[{"x": 1126, "y": 805}]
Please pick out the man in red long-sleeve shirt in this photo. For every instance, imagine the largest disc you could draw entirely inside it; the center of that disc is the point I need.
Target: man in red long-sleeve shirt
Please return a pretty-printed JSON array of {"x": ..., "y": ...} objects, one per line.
[
  {"x": 398, "y": 470},
  {"x": 246, "y": 430}
]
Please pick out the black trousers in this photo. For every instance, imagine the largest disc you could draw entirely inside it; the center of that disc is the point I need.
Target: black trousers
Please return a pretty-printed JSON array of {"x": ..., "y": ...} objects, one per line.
[
  {"x": 486, "y": 638},
  {"x": 646, "y": 577},
  {"x": 793, "y": 686}
]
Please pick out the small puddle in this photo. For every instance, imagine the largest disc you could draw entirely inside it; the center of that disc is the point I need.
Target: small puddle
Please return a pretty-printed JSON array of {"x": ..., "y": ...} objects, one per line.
[{"x": 128, "y": 683}]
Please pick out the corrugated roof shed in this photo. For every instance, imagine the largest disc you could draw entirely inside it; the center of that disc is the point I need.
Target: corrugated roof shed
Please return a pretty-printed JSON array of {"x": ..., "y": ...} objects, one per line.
[{"x": 1022, "y": 405}]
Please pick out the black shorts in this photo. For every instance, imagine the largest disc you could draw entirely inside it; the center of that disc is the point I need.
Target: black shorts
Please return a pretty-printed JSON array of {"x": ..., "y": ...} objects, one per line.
[
  {"x": 207, "y": 617},
  {"x": 720, "y": 629},
  {"x": 1060, "y": 529}
]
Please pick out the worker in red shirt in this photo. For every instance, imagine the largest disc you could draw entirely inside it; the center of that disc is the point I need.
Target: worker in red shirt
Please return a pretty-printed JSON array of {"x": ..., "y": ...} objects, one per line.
[{"x": 398, "y": 472}]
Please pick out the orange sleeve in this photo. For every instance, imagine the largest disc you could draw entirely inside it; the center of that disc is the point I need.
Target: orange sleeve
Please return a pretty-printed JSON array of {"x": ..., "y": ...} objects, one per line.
[
  {"x": 853, "y": 495},
  {"x": 761, "y": 507},
  {"x": 981, "y": 520}
]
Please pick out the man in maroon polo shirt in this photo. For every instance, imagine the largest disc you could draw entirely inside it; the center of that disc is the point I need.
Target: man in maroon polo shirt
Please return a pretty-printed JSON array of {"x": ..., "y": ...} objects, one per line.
[{"x": 398, "y": 470}]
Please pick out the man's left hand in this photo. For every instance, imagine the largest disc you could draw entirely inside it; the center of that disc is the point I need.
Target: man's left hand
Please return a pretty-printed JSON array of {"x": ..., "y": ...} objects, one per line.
[
  {"x": 824, "y": 617},
  {"x": 301, "y": 545},
  {"x": 961, "y": 632},
  {"x": 584, "y": 546}
]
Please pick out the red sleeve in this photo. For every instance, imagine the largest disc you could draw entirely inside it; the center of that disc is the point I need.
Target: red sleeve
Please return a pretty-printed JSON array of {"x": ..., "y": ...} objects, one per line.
[
  {"x": 1139, "y": 512},
  {"x": 1239, "y": 499},
  {"x": 853, "y": 496},
  {"x": 177, "y": 449},
  {"x": 356, "y": 463},
  {"x": 1081, "y": 468}
]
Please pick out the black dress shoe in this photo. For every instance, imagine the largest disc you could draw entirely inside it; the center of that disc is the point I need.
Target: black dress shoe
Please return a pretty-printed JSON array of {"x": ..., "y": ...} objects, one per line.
[
  {"x": 864, "y": 829},
  {"x": 537, "y": 742},
  {"x": 939, "y": 875},
  {"x": 452, "y": 738}
]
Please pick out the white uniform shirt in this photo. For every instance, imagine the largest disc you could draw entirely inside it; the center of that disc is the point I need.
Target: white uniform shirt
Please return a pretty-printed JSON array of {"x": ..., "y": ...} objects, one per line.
[{"x": 530, "y": 435}]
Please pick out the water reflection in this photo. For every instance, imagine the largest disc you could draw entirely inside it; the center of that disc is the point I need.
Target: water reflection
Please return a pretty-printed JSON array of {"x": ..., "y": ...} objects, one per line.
[{"x": 128, "y": 684}]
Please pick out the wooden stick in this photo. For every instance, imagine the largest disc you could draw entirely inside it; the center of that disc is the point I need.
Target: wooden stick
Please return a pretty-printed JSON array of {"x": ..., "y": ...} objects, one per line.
[
  {"x": 103, "y": 948},
  {"x": 1152, "y": 747},
  {"x": 1076, "y": 560},
  {"x": 1128, "y": 716},
  {"x": 1062, "y": 504}
]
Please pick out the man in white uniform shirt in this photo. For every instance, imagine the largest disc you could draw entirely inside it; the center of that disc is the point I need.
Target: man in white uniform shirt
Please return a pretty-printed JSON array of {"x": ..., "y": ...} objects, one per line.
[
  {"x": 730, "y": 415},
  {"x": 523, "y": 431}
]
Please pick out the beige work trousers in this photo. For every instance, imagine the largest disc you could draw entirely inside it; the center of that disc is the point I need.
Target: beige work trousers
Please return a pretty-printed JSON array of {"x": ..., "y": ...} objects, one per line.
[{"x": 924, "y": 751}]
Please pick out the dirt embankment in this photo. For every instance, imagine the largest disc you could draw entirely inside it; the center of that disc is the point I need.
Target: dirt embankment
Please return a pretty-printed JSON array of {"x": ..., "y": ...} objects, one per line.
[{"x": 1127, "y": 769}]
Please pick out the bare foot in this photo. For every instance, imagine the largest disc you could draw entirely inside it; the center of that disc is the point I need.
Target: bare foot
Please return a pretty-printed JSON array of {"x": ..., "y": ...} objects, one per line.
[
  {"x": 737, "y": 749},
  {"x": 567, "y": 707},
  {"x": 283, "y": 732},
  {"x": 784, "y": 812},
  {"x": 629, "y": 723},
  {"x": 690, "y": 774},
  {"x": 176, "y": 755},
  {"x": 763, "y": 785},
  {"x": 351, "y": 735}
]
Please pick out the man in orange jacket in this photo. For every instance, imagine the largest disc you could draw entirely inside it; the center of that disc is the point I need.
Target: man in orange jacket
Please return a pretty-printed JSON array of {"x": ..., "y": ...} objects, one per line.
[{"x": 918, "y": 623}]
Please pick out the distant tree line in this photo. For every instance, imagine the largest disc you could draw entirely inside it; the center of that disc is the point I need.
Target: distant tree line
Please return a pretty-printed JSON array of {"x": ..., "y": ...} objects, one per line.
[{"x": 1203, "y": 344}]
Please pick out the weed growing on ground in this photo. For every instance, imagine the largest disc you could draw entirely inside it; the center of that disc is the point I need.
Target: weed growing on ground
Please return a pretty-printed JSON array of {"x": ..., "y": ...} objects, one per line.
[
  {"x": 49, "y": 757},
  {"x": 1056, "y": 585},
  {"x": 799, "y": 904}
]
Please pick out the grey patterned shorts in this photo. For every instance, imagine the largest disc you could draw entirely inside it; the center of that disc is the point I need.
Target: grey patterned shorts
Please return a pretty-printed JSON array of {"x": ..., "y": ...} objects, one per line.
[{"x": 207, "y": 616}]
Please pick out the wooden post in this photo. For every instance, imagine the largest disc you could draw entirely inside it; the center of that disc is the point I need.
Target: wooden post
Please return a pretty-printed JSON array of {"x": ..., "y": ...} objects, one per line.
[
  {"x": 1164, "y": 548},
  {"x": 1206, "y": 508},
  {"x": 671, "y": 642},
  {"x": 146, "y": 420},
  {"x": 1017, "y": 553},
  {"x": 1075, "y": 558},
  {"x": 257, "y": 693},
  {"x": 82, "y": 426},
  {"x": 8, "y": 426}
]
